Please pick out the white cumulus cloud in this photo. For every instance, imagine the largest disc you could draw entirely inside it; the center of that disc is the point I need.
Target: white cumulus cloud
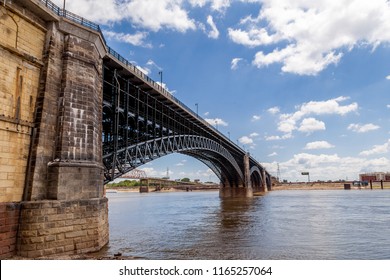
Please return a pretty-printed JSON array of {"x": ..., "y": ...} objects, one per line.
[
  {"x": 277, "y": 137},
  {"x": 137, "y": 39},
  {"x": 288, "y": 122},
  {"x": 245, "y": 140},
  {"x": 308, "y": 36},
  {"x": 149, "y": 14},
  {"x": 216, "y": 5},
  {"x": 255, "y": 118},
  {"x": 362, "y": 128},
  {"x": 309, "y": 125},
  {"x": 216, "y": 121},
  {"x": 316, "y": 145},
  {"x": 377, "y": 149},
  {"x": 274, "y": 110},
  {"x": 213, "y": 33},
  {"x": 249, "y": 140},
  {"x": 234, "y": 63}
]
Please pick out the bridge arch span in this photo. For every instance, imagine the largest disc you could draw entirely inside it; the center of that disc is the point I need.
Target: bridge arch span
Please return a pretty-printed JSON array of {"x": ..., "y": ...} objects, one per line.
[
  {"x": 214, "y": 155},
  {"x": 257, "y": 180},
  {"x": 217, "y": 164}
]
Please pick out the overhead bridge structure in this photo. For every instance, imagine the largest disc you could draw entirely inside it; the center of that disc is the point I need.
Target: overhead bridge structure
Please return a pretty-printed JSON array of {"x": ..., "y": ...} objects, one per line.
[{"x": 142, "y": 121}]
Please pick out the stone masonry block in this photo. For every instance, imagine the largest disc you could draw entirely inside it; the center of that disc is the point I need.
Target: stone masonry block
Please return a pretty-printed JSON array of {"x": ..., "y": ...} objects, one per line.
[{"x": 74, "y": 234}]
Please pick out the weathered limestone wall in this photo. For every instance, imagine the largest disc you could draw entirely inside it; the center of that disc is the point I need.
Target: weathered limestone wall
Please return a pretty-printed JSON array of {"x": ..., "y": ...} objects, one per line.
[
  {"x": 9, "y": 224},
  {"x": 51, "y": 175},
  {"x": 63, "y": 227},
  {"x": 21, "y": 47},
  {"x": 46, "y": 119}
]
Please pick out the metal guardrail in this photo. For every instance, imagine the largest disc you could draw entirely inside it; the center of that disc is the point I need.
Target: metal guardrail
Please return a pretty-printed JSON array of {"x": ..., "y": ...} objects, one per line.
[
  {"x": 72, "y": 17},
  {"x": 91, "y": 25},
  {"x": 51, "y": 6}
]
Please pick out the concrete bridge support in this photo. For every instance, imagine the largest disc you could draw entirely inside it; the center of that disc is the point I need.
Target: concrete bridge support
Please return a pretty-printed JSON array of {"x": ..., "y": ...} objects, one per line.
[{"x": 244, "y": 189}]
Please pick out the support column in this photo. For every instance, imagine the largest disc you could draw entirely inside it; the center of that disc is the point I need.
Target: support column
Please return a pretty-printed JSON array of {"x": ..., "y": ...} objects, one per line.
[
  {"x": 247, "y": 172},
  {"x": 264, "y": 182},
  {"x": 244, "y": 190},
  {"x": 76, "y": 171},
  {"x": 65, "y": 211}
]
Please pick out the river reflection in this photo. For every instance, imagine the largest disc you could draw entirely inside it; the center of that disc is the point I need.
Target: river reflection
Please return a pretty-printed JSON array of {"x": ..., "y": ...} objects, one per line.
[{"x": 279, "y": 225}]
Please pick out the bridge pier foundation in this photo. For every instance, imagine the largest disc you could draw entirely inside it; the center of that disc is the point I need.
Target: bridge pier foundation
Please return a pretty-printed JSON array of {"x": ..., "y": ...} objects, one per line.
[
  {"x": 235, "y": 192},
  {"x": 62, "y": 227}
]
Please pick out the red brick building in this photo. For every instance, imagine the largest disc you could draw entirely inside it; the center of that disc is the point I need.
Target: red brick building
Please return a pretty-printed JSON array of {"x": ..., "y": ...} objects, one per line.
[{"x": 375, "y": 176}]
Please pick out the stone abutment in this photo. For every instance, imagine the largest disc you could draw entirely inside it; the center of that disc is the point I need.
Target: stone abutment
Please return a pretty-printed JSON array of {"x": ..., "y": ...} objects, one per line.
[{"x": 51, "y": 171}]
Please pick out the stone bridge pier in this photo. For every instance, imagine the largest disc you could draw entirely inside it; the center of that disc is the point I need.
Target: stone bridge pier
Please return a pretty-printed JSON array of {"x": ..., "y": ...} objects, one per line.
[
  {"x": 254, "y": 182},
  {"x": 55, "y": 70}
]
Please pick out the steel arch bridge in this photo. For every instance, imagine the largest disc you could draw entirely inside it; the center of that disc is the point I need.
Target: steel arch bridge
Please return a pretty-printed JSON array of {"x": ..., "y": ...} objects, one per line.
[{"x": 142, "y": 122}]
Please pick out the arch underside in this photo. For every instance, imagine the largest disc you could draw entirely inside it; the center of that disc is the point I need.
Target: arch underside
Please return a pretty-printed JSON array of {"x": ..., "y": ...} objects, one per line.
[
  {"x": 217, "y": 164},
  {"x": 213, "y": 154},
  {"x": 257, "y": 180}
]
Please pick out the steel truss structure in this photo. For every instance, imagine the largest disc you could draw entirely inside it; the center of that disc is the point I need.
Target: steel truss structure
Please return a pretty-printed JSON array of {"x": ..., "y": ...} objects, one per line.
[
  {"x": 142, "y": 122},
  {"x": 206, "y": 150}
]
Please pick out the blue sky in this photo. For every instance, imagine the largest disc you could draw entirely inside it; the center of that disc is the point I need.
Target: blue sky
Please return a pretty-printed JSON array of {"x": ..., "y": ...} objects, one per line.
[{"x": 303, "y": 84}]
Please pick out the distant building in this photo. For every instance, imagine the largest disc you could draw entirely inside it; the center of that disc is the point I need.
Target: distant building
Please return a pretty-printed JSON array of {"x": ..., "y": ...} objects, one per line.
[{"x": 375, "y": 176}]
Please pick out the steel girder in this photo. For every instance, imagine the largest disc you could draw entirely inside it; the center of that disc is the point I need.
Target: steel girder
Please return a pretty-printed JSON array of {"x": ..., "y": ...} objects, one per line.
[
  {"x": 140, "y": 125},
  {"x": 217, "y": 157}
]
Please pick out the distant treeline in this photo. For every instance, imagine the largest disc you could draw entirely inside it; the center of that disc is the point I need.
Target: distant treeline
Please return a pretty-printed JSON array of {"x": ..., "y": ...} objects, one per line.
[{"x": 124, "y": 184}]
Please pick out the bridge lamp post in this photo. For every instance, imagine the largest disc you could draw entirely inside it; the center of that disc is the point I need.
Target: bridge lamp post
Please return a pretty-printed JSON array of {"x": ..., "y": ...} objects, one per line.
[
  {"x": 229, "y": 134},
  {"x": 196, "y": 104},
  {"x": 216, "y": 124},
  {"x": 160, "y": 73}
]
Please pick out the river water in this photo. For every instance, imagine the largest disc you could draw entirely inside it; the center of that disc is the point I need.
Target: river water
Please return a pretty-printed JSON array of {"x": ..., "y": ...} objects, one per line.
[{"x": 290, "y": 225}]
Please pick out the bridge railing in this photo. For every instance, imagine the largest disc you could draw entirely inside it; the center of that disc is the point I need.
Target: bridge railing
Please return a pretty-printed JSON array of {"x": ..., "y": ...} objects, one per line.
[
  {"x": 72, "y": 17},
  {"x": 91, "y": 25}
]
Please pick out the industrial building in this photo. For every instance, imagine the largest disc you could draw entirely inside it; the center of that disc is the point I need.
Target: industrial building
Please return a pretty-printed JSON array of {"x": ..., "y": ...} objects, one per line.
[{"x": 375, "y": 176}]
